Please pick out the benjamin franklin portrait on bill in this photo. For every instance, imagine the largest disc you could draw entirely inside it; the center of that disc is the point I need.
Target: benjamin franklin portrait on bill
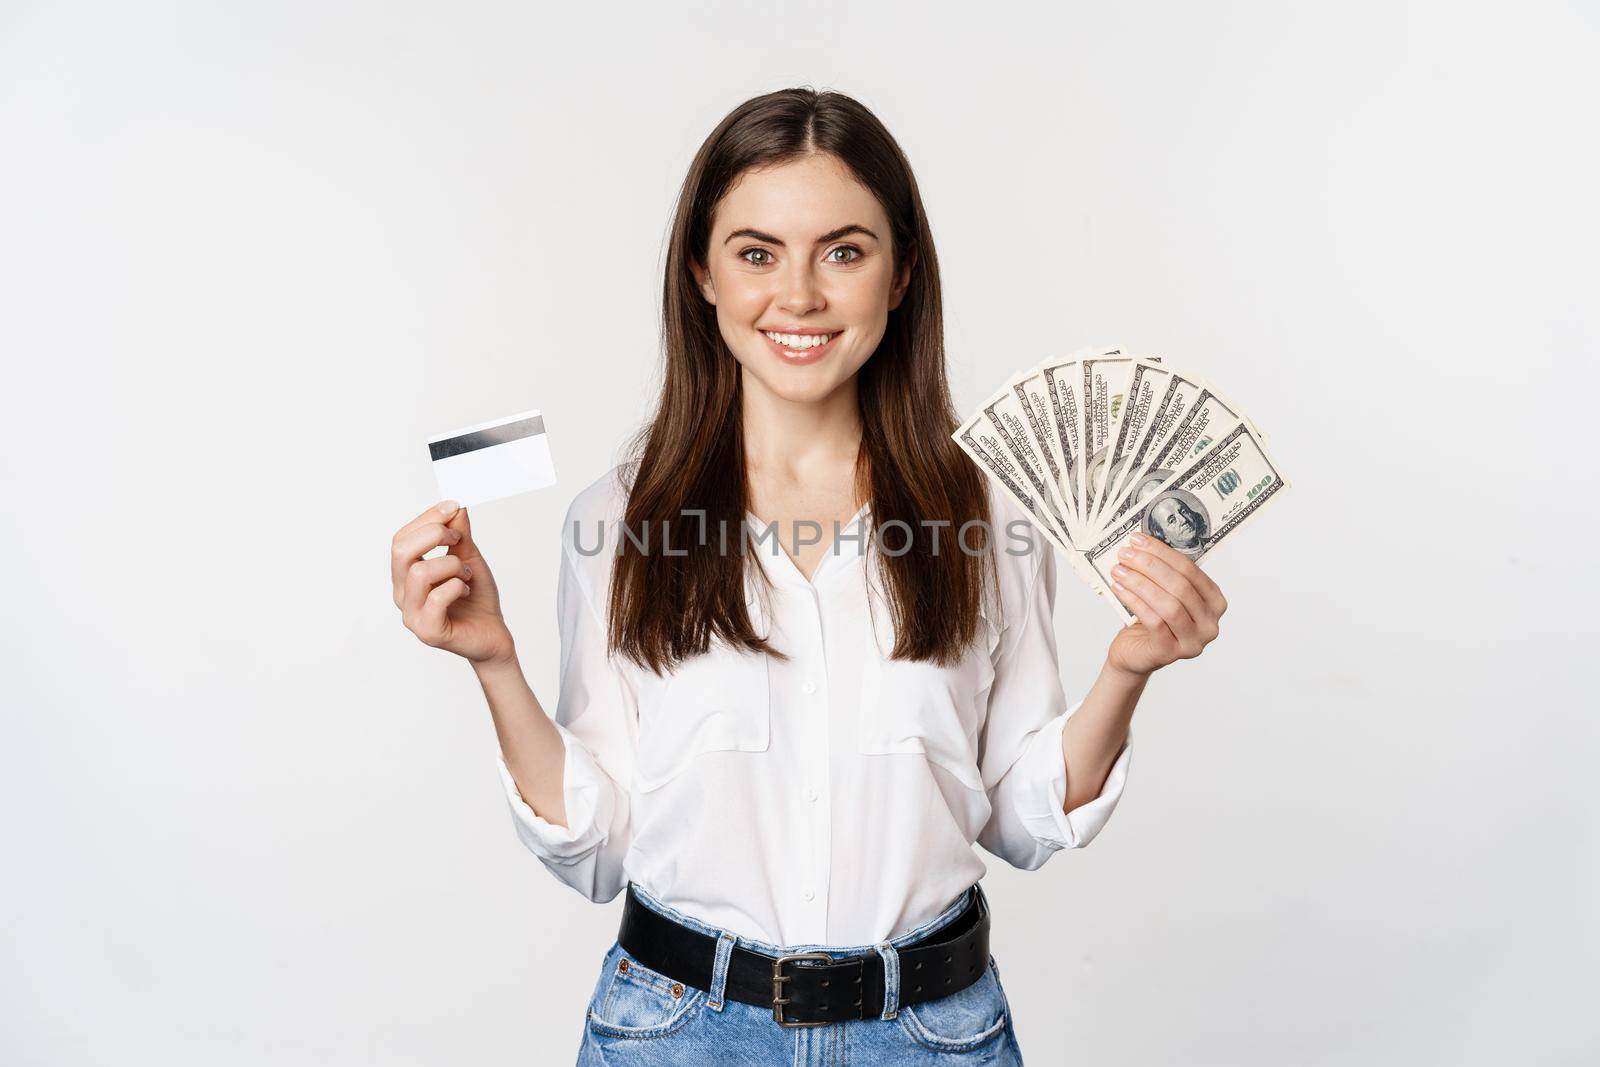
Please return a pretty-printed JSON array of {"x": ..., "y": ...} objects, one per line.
[{"x": 1178, "y": 518}]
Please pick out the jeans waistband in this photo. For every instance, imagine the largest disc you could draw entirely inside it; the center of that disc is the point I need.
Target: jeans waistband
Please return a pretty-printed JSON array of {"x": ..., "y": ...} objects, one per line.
[{"x": 943, "y": 919}]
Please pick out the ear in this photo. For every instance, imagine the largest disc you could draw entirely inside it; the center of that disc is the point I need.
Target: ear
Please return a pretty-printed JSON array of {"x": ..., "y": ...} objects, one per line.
[
  {"x": 702, "y": 278},
  {"x": 902, "y": 281}
]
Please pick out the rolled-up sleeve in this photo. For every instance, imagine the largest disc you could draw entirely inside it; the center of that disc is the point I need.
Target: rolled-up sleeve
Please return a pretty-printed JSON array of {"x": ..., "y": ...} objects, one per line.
[
  {"x": 1024, "y": 771},
  {"x": 597, "y": 717}
]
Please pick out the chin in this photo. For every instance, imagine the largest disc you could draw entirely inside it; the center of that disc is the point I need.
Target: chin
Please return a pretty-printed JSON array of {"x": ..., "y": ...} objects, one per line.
[
  {"x": 796, "y": 387},
  {"x": 797, "y": 382}
]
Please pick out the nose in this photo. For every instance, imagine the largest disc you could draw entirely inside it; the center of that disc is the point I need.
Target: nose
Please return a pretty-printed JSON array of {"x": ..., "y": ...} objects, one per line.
[{"x": 800, "y": 294}]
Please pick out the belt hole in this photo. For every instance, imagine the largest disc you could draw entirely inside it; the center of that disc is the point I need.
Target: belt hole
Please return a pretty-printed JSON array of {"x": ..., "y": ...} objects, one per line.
[
  {"x": 972, "y": 968},
  {"x": 858, "y": 979},
  {"x": 918, "y": 989},
  {"x": 918, "y": 967},
  {"x": 824, "y": 1005},
  {"x": 947, "y": 959},
  {"x": 824, "y": 981},
  {"x": 947, "y": 981}
]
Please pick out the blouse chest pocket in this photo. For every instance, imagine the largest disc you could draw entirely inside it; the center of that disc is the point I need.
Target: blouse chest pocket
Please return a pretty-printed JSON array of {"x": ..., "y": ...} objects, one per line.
[
  {"x": 714, "y": 702},
  {"x": 921, "y": 707}
]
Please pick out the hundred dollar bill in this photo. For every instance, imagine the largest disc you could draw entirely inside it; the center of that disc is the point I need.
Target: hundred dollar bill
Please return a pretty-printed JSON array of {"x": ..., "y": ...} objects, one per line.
[
  {"x": 1061, "y": 395},
  {"x": 1101, "y": 392},
  {"x": 1033, "y": 393},
  {"x": 979, "y": 440},
  {"x": 1200, "y": 505},
  {"x": 1176, "y": 397},
  {"x": 1209, "y": 417},
  {"x": 1009, "y": 418},
  {"x": 1062, "y": 385},
  {"x": 1130, "y": 419}
]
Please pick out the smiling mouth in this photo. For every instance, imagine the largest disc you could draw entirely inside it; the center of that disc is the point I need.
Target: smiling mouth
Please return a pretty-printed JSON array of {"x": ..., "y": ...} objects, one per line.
[{"x": 800, "y": 342}]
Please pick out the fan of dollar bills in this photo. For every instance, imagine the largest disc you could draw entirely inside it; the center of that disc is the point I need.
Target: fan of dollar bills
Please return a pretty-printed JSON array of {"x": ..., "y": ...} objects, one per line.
[{"x": 1104, "y": 443}]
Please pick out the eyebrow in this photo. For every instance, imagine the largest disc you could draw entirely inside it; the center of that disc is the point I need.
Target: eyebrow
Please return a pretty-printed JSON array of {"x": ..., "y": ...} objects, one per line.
[{"x": 831, "y": 235}]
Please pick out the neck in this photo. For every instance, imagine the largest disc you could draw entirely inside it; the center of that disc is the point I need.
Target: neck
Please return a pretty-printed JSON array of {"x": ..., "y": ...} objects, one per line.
[{"x": 800, "y": 442}]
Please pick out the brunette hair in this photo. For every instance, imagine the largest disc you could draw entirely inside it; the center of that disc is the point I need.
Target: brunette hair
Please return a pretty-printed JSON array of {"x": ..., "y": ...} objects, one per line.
[{"x": 689, "y": 457}]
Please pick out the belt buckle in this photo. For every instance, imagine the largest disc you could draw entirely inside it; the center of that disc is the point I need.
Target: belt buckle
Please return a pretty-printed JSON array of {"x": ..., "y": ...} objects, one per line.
[{"x": 778, "y": 978}]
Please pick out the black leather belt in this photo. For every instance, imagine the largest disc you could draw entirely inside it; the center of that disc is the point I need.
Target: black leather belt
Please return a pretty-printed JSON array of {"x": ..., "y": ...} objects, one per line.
[{"x": 812, "y": 988}]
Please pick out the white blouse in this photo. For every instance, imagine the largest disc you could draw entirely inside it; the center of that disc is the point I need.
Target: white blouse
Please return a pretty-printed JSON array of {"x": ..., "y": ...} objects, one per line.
[{"x": 832, "y": 798}]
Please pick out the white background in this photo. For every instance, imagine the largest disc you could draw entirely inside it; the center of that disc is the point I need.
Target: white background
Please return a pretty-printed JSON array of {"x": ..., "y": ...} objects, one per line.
[{"x": 252, "y": 256}]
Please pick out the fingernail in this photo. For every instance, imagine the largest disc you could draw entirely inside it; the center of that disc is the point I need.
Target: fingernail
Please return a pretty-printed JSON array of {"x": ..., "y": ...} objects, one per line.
[
  {"x": 466, "y": 571},
  {"x": 1139, "y": 539},
  {"x": 1126, "y": 553},
  {"x": 448, "y": 507}
]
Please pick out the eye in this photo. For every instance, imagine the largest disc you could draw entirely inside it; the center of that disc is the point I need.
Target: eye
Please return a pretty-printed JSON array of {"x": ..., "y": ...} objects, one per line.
[
  {"x": 747, "y": 253},
  {"x": 855, "y": 254}
]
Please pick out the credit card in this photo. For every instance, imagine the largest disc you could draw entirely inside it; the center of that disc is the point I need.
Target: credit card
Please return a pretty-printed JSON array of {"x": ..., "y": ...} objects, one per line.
[{"x": 493, "y": 460}]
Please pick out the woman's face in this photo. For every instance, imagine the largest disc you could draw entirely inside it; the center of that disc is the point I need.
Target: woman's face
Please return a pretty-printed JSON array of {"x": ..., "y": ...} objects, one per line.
[{"x": 800, "y": 268}]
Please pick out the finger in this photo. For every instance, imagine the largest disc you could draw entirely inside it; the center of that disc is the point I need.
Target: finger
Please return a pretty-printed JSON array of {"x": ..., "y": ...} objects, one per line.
[
  {"x": 1164, "y": 575},
  {"x": 412, "y": 546},
  {"x": 1212, "y": 592},
  {"x": 1167, "y": 606},
  {"x": 405, "y": 539},
  {"x": 433, "y": 620},
  {"x": 424, "y": 574},
  {"x": 1203, "y": 583},
  {"x": 461, "y": 523},
  {"x": 1143, "y": 612},
  {"x": 439, "y": 512}
]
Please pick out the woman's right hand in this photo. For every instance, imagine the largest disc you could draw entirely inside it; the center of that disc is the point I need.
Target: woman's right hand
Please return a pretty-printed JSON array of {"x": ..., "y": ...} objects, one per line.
[{"x": 450, "y": 601}]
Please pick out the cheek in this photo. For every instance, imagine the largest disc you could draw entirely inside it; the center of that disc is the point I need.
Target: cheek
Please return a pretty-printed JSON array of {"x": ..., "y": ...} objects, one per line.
[
  {"x": 863, "y": 303},
  {"x": 865, "y": 295},
  {"x": 741, "y": 298}
]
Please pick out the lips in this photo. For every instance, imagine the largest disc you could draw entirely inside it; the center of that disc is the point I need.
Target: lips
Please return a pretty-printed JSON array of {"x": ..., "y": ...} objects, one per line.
[{"x": 810, "y": 352}]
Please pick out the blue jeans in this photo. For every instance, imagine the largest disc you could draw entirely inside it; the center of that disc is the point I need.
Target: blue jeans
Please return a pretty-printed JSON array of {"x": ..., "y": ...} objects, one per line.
[{"x": 637, "y": 1019}]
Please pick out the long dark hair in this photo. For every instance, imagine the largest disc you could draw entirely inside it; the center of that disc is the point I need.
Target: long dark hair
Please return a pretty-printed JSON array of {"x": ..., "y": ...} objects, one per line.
[{"x": 690, "y": 456}]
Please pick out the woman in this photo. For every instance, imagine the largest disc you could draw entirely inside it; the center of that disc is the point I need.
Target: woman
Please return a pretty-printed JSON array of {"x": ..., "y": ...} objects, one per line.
[{"x": 786, "y": 746}]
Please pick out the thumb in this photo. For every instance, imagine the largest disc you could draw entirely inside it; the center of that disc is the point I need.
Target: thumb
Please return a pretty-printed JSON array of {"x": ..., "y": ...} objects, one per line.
[{"x": 462, "y": 524}]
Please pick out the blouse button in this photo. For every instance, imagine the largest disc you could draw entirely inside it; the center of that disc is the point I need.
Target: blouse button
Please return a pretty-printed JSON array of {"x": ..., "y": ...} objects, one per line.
[
  {"x": 808, "y": 894},
  {"x": 809, "y": 687},
  {"x": 811, "y": 794}
]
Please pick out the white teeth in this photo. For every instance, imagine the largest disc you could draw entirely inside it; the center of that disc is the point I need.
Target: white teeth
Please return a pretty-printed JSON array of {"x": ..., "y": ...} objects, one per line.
[{"x": 800, "y": 341}]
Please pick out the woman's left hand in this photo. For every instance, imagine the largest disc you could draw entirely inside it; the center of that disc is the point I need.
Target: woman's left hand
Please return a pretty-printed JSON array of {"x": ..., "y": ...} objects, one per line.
[{"x": 1176, "y": 603}]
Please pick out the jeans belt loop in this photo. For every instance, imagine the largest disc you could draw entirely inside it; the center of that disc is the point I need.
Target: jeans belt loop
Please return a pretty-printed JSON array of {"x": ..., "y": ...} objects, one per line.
[
  {"x": 891, "y": 979},
  {"x": 726, "y": 942}
]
